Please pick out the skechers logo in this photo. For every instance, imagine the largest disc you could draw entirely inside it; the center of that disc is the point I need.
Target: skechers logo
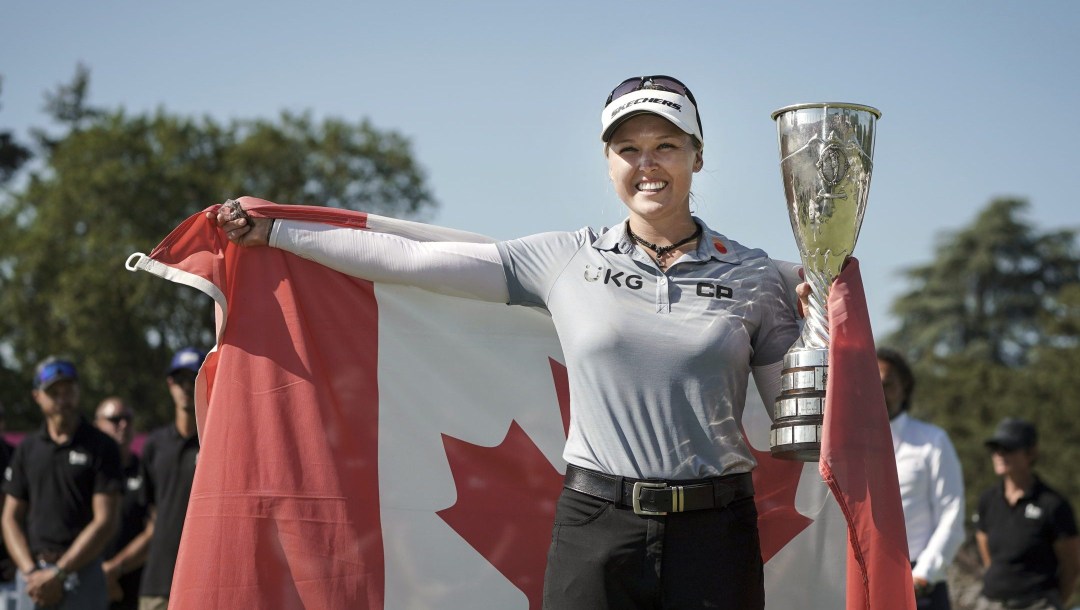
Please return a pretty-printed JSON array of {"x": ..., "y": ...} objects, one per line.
[
  {"x": 716, "y": 291},
  {"x": 650, "y": 100}
]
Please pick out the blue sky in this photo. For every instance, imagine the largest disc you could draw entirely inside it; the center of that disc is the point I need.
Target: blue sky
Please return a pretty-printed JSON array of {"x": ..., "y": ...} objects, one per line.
[{"x": 501, "y": 100}]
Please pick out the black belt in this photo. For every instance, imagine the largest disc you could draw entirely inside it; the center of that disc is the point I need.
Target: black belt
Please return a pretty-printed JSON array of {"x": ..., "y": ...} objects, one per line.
[{"x": 655, "y": 497}]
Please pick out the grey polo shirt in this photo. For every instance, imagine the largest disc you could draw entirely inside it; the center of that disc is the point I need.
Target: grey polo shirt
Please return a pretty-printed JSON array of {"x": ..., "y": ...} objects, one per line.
[{"x": 658, "y": 362}]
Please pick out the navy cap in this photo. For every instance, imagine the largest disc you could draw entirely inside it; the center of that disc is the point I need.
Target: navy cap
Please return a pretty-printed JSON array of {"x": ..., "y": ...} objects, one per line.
[
  {"x": 188, "y": 358},
  {"x": 52, "y": 370},
  {"x": 1013, "y": 433}
]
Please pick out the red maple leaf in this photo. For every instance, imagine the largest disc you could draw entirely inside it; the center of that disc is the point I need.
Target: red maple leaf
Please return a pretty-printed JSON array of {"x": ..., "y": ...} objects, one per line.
[
  {"x": 506, "y": 499},
  {"x": 775, "y": 484}
]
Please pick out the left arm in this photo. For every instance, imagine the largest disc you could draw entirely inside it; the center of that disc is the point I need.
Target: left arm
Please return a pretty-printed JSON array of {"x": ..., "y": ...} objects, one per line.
[{"x": 947, "y": 496}]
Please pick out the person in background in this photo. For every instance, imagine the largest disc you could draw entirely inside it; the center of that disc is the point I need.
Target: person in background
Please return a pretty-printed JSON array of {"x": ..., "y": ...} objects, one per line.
[
  {"x": 60, "y": 509},
  {"x": 127, "y": 551},
  {"x": 7, "y": 567},
  {"x": 1026, "y": 531},
  {"x": 931, "y": 485},
  {"x": 169, "y": 457}
]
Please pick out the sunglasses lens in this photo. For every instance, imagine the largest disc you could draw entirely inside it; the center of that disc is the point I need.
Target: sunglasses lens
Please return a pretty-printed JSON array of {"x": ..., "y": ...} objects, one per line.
[
  {"x": 663, "y": 83},
  {"x": 627, "y": 86}
]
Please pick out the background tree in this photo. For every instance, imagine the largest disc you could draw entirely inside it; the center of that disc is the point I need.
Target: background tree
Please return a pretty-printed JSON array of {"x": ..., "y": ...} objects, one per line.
[
  {"x": 985, "y": 288},
  {"x": 114, "y": 184}
]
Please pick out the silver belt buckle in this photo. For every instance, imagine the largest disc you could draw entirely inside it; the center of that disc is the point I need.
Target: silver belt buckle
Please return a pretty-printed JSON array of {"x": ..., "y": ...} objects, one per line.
[{"x": 638, "y": 486}]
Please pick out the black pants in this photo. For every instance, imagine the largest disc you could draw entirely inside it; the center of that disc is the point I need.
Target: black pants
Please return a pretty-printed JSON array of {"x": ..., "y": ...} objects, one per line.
[{"x": 604, "y": 556}]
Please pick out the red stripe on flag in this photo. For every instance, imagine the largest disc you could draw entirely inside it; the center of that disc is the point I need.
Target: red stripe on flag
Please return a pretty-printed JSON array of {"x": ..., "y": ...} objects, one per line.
[{"x": 284, "y": 511}]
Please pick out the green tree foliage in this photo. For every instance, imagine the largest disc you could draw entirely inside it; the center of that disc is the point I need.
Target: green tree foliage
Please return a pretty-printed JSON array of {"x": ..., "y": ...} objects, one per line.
[
  {"x": 115, "y": 184},
  {"x": 984, "y": 291},
  {"x": 12, "y": 154}
]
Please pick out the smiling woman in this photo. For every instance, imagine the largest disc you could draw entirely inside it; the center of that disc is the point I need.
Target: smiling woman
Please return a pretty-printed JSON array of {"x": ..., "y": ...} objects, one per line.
[{"x": 661, "y": 321}]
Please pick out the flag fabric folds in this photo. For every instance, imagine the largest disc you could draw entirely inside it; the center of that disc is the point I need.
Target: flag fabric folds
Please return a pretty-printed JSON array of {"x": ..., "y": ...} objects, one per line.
[
  {"x": 857, "y": 460},
  {"x": 378, "y": 446}
]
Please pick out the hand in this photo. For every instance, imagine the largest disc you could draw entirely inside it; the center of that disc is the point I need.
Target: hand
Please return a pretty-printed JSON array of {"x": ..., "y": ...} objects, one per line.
[
  {"x": 804, "y": 291},
  {"x": 112, "y": 580},
  {"x": 44, "y": 587},
  {"x": 922, "y": 586},
  {"x": 239, "y": 227}
]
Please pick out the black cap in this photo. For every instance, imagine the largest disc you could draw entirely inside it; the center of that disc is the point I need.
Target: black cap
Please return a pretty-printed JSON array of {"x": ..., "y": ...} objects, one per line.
[{"x": 1013, "y": 433}]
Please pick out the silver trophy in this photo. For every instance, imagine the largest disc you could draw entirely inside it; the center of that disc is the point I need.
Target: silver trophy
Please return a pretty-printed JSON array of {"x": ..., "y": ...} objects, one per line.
[{"x": 826, "y": 158}]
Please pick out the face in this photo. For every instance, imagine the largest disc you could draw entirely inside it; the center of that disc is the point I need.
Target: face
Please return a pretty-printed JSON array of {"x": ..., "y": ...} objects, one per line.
[
  {"x": 1014, "y": 462},
  {"x": 182, "y": 388},
  {"x": 114, "y": 418},
  {"x": 893, "y": 388},
  {"x": 59, "y": 399},
  {"x": 651, "y": 162}
]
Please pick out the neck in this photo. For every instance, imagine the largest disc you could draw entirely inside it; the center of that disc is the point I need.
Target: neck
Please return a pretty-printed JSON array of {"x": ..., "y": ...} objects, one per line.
[
  {"x": 185, "y": 422},
  {"x": 61, "y": 426},
  {"x": 663, "y": 232},
  {"x": 1016, "y": 484}
]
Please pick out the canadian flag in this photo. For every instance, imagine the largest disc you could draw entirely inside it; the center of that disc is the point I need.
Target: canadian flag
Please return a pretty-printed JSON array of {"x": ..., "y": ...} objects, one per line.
[{"x": 378, "y": 446}]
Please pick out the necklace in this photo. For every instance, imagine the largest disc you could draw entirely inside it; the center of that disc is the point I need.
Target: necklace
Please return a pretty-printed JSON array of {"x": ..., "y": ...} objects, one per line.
[{"x": 662, "y": 251}]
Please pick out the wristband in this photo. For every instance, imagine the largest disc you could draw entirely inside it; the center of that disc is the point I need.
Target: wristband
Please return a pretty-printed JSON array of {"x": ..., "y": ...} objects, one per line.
[{"x": 61, "y": 573}]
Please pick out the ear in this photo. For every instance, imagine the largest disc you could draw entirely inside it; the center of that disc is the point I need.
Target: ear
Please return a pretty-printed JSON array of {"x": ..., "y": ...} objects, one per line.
[{"x": 699, "y": 161}]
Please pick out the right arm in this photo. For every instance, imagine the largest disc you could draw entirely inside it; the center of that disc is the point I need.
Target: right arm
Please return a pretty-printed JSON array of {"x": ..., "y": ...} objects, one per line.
[
  {"x": 470, "y": 270},
  {"x": 14, "y": 516}
]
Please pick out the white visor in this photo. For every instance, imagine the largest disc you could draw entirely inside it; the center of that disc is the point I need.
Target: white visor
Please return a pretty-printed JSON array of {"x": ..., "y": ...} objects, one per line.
[{"x": 674, "y": 107}]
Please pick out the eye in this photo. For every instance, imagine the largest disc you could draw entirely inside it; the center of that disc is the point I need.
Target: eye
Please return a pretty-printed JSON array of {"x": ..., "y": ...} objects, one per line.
[{"x": 627, "y": 149}]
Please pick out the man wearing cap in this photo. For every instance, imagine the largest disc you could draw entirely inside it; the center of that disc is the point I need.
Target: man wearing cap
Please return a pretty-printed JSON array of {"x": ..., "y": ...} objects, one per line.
[
  {"x": 1027, "y": 533},
  {"x": 62, "y": 492},
  {"x": 169, "y": 457},
  {"x": 126, "y": 553}
]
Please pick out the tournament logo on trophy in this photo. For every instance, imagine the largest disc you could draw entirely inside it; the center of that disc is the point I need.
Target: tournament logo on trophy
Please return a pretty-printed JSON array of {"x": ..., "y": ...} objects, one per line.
[{"x": 826, "y": 158}]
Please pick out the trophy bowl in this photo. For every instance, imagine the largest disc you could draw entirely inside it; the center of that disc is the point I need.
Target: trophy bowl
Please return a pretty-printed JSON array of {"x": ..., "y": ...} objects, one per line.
[{"x": 826, "y": 158}]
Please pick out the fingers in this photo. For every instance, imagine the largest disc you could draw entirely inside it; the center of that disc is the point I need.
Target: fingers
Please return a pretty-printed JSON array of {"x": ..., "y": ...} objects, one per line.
[{"x": 234, "y": 221}]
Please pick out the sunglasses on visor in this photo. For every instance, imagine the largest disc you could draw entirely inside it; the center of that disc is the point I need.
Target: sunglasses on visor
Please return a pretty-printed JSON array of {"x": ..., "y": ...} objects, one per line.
[{"x": 658, "y": 82}]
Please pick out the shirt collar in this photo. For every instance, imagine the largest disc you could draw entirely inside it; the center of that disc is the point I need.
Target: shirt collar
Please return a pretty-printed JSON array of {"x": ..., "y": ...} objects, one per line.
[{"x": 712, "y": 245}]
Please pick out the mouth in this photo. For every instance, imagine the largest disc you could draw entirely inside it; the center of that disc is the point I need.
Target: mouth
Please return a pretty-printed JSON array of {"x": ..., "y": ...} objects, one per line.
[{"x": 651, "y": 187}]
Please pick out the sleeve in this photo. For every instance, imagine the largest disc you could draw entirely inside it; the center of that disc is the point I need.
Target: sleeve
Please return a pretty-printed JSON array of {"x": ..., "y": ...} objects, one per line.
[
  {"x": 1064, "y": 521},
  {"x": 767, "y": 380},
  {"x": 777, "y": 329},
  {"x": 15, "y": 481},
  {"x": 531, "y": 265},
  {"x": 980, "y": 513},
  {"x": 947, "y": 497},
  {"x": 462, "y": 269},
  {"x": 110, "y": 475}
]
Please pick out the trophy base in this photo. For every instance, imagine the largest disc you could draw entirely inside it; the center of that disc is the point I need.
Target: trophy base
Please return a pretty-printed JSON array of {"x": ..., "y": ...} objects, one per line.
[{"x": 799, "y": 410}]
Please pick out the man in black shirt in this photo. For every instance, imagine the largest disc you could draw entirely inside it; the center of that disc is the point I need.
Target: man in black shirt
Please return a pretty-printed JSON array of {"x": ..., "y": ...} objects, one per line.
[
  {"x": 1027, "y": 532},
  {"x": 61, "y": 499},
  {"x": 169, "y": 457},
  {"x": 126, "y": 553}
]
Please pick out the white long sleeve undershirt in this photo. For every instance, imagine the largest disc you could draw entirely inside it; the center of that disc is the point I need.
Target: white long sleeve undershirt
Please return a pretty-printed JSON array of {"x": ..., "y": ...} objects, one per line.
[{"x": 461, "y": 269}]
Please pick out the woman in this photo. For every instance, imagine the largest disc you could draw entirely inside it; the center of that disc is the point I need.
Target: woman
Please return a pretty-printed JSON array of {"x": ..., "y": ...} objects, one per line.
[
  {"x": 1026, "y": 531},
  {"x": 661, "y": 320}
]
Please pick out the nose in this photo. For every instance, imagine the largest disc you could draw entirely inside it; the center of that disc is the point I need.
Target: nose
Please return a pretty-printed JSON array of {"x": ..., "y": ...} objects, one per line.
[{"x": 646, "y": 160}]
